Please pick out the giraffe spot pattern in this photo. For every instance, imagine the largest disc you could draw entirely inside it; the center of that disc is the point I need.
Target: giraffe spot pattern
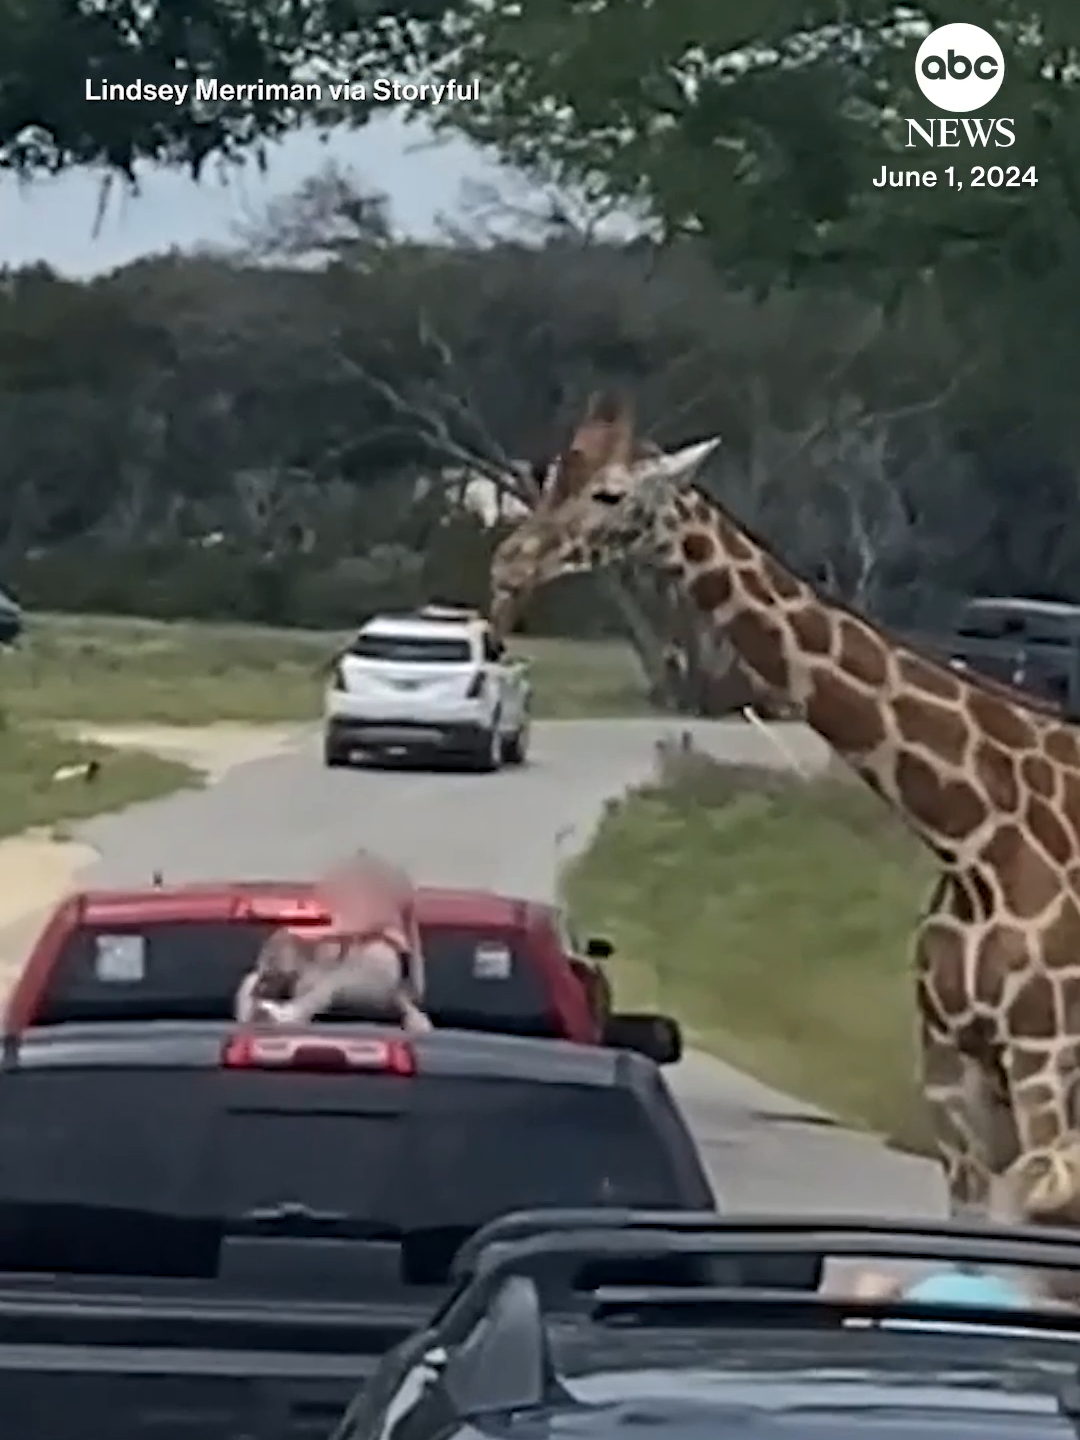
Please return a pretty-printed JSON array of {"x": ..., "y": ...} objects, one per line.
[
  {"x": 951, "y": 807},
  {"x": 956, "y": 899},
  {"x": 927, "y": 1008},
  {"x": 761, "y": 644},
  {"x": 1061, "y": 746},
  {"x": 1000, "y": 951},
  {"x": 985, "y": 895},
  {"x": 784, "y": 584},
  {"x": 1047, "y": 829},
  {"x": 1032, "y": 1012},
  {"x": 698, "y": 547},
  {"x": 941, "y": 950},
  {"x": 999, "y": 720},
  {"x": 1069, "y": 997},
  {"x": 852, "y": 719},
  {"x": 812, "y": 631},
  {"x": 924, "y": 722},
  {"x": 995, "y": 770},
  {"x": 711, "y": 590},
  {"x": 1038, "y": 774},
  {"x": 751, "y": 583},
  {"x": 734, "y": 544},
  {"x": 1025, "y": 1063},
  {"x": 1029, "y": 883},
  {"x": 1039, "y": 1105},
  {"x": 931, "y": 679},
  {"x": 861, "y": 653},
  {"x": 1059, "y": 939},
  {"x": 1070, "y": 806}
]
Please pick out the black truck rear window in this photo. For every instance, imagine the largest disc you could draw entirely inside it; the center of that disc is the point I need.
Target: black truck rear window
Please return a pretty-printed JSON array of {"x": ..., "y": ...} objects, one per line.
[
  {"x": 154, "y": 1171},
  {"x": 478, "y": 978}
]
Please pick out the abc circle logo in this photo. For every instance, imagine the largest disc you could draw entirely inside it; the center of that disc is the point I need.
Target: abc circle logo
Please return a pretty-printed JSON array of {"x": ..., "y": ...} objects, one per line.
[{"x": 959, "y": 67}]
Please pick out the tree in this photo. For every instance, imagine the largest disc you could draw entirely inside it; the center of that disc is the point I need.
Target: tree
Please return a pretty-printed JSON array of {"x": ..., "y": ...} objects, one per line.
[
  {"x": 757, "y": 128},
  {"x": 51, "y": 49}
]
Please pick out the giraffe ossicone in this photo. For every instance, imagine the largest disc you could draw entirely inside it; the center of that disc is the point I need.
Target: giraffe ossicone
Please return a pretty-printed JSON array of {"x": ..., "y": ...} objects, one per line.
[{"x": 986, "y": 776}]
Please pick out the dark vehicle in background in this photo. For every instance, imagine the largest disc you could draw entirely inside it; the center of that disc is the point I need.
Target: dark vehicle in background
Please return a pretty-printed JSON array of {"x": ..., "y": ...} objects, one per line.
[
  {"x": 541, "y": 1340},
  {"x": 11, "y": 619},
  {"x": 1031, "y": 644},
  {"x": 495, "y": 963},
  {"x": 216, "y": 1232}
]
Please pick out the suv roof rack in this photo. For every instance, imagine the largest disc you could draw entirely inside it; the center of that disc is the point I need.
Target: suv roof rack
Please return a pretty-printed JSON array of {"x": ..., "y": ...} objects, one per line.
[
  {"x": 448, "y": 612},
  {"x": 514, "y": 1265}
]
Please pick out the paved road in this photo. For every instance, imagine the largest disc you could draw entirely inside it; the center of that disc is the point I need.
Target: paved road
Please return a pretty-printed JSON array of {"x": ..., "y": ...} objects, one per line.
[{"x": 289, "y": 816}]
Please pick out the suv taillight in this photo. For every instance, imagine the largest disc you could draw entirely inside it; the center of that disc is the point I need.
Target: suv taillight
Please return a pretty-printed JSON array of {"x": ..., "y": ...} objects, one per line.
[
  {"x": 337, "y": 677},
  {"x": 252, "y": 1050},
  {"x": 476, "y": 686}
]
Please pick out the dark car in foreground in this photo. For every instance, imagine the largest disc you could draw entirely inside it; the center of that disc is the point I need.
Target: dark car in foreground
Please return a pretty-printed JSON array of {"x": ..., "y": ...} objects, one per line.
[
  {"x": 214, "y": 1231},
  {"x": 539, "y": 1340}
]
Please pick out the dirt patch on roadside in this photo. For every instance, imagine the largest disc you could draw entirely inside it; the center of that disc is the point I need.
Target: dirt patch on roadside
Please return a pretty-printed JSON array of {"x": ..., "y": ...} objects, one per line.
[
  {"x": 37, "y": 871},
  {"x": 213, "y": 749}
]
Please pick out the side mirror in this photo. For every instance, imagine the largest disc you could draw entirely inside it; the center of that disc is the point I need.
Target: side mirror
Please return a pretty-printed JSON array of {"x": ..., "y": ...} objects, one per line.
[
  {"x": 597, "y": 947},
  {"x": 658, "y": 1037}
]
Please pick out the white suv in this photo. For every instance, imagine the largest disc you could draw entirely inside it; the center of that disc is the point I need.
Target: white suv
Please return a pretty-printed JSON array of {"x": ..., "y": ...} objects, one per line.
[{"x": 437, "y": 680}]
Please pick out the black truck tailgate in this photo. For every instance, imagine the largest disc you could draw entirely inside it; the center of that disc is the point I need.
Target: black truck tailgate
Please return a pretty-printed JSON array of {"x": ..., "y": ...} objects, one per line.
[
  {"x": 136, "y": 1368},
  {"x": 180, "y": 1209}
]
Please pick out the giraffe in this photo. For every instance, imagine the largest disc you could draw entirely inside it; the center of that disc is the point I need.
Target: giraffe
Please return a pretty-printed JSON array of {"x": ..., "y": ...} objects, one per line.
[
  {"x": 986, "y": 777},
  {"x": 553, "y": 481}
]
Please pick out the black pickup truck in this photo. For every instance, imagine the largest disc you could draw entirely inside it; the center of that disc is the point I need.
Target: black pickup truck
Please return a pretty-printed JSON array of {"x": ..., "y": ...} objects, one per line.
[
  {"x": 216, "y": 1233},
  {"x": 1032, "y": 644}
]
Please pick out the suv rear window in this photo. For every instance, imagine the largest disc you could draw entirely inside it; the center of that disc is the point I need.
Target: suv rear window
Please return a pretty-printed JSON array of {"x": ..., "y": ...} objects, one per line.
[
  {"x": 413, "y": 649},
  {"x": 478, "y": 978}
]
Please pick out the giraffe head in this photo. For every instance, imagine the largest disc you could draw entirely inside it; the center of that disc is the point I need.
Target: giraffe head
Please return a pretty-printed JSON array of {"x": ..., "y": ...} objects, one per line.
[{"x": 606, "y": 496}]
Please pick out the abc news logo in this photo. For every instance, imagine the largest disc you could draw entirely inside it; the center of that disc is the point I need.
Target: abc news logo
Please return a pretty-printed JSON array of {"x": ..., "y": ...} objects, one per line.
[{"x": 960, "y": 68}]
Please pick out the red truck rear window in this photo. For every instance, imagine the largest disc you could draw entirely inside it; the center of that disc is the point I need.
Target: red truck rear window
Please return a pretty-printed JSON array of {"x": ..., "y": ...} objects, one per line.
[{"x": 478, "y": 978}]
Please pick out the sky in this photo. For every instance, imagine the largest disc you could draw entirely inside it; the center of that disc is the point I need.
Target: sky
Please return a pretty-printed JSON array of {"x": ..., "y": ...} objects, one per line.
[{"x": 53, "y": 220}]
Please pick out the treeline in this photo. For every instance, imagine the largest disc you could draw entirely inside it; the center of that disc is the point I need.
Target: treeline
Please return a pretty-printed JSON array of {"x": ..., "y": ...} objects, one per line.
[{"x": 237, "y": 435}]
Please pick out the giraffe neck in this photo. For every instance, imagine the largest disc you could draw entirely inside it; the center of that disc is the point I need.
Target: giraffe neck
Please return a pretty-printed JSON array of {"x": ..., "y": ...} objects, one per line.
[{"x": 902, "y": 722}]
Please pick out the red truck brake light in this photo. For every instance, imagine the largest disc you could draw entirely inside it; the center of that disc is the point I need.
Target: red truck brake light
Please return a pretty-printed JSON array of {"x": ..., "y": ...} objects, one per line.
[
  {"x": 279, "y": 911},
  {"x": 251, "y": 1050}
]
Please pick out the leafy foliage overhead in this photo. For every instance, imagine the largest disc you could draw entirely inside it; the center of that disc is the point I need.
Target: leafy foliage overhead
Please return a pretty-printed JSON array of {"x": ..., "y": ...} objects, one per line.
[
  {"x": 49, "y": 49},
  {"x": 758, "y": 124}
]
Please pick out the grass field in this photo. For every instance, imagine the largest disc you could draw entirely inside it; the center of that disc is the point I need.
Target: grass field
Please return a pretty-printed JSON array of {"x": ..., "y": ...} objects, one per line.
[
  {"x": 30, "y": 796},
  {"x": 112, "y": 670},
  {"x": 773, "y": 916}
]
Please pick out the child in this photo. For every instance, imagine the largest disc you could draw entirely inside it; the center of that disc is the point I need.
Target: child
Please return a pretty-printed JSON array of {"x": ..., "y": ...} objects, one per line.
[{"x": 369, "y": 954}]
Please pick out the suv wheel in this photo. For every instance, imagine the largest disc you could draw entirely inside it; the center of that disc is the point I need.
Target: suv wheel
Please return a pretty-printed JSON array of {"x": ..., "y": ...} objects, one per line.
[
  {"x": 517, "y": 746},
  {"x": 489, "y": 753},
  {"x": 335, "y": 755}
]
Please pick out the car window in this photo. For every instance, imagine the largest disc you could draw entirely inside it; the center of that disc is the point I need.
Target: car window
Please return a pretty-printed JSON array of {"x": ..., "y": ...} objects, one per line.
[
  {"x": 483, "y": 978},
  {"x": 477, "y": 977},
  {"x": 415, "y": 649}
]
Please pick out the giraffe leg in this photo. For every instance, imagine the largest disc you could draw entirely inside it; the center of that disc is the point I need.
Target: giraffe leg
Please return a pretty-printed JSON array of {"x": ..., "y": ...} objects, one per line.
[
  {"x": 962, "y": 1114},
  {"x": 1044, "y": 1084}
]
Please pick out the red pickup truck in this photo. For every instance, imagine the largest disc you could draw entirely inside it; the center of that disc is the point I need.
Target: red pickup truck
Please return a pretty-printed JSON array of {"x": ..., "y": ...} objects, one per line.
[{"x": 493, "y": 962}]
